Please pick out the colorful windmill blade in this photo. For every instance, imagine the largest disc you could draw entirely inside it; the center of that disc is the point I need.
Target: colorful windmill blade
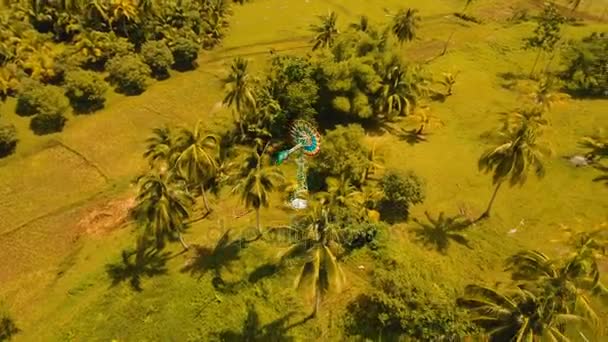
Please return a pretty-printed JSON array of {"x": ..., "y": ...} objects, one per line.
[{"x": 305, "y": 135}]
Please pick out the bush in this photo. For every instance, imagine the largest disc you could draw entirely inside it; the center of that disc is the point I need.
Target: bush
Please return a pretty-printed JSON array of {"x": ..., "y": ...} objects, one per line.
[
  {"x": 586, "y": 73},
  {"x": 401, "y": 190},
  {"x": 363, "y": 234},
  {"x": 47, "y": 123},
  {"x": 185, "y": 53},
  {"x": 129, "y": 74},
  {"x": 159, "y": 57},
  {"x": 86, "y": 90},
  {"x": 406, "y": 307},
  {"x": 36, "y": 98},
  {"x": 8, "y": 140}
]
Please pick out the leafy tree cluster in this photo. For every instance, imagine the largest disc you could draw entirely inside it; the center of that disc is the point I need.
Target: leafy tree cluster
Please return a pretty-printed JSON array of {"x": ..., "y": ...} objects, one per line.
[
  {"x": 401, "y": 307},
  {"x": 44, "y": 41},
  {"x": 586, "y": 63},
  {"x": 401, "y": 190}
]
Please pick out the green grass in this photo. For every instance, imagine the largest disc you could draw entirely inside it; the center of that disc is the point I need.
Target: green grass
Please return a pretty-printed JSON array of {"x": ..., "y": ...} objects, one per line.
[{"x": 57, "y": 285}]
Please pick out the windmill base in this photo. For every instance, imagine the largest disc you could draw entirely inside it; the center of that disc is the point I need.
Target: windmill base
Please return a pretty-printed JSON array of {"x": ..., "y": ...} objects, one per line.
[{"x": 299, "y": 203}]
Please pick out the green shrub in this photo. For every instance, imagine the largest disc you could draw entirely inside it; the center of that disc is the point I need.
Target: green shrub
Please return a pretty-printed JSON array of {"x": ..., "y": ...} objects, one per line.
[
  {"x": 8, "y": 139},
  {"x": 47, "y": 123},
  {"x": 185, "y": 53},
  {"x": 401, "y": 190},
  {"x": 129, "y": 73},
  {"x": 363, "y": 234},
  {"x": 159, "y": 57},
  {"x": 86, "y": 90},
  {"x": 400, "y": 306},
  {"x": 35, "y": 98},
  {"x": 586, "y": 73}
]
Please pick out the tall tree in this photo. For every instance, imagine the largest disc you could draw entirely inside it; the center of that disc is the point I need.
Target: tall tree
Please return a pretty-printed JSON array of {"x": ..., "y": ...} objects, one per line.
[
  {"x": 547, "y": 33},
  {"x": 255, "y": 188},
  {"x": 197, "y": 161},
  {"x": 240, "y": 91},
  {"x": 405, "y": 24},
  {"x": 517, "y": 153},
  {"x": 546, "y": 93},
  {"x": 159, "y": 148},
  {"x": 163, "y": 206},
  {"x": 314, "y": 237},
  {"x": 326, "y": 31},
  {"x": 515, "y": 315}
]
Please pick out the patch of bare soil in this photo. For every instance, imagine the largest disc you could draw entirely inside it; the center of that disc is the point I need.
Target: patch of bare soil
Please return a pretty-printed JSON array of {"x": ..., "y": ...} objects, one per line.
[{"x": 106, "y": 216}]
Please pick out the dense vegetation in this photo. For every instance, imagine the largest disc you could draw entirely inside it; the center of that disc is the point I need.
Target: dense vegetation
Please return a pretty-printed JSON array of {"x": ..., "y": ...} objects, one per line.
[{"x": 353, "y": 84}]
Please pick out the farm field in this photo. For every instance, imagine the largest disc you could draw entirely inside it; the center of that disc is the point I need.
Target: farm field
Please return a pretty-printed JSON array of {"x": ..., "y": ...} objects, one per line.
[{"x": 65, "y": 197}]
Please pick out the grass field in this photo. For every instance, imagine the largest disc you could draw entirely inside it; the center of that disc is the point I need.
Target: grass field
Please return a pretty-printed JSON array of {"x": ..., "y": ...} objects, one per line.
[{"x": 54, "y": 270}]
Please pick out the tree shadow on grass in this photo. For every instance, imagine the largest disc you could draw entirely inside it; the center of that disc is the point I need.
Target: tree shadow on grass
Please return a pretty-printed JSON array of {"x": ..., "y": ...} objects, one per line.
[
  {"x": 151, "y": 263},
  {"x": 264, "y": 271},
  {"x": 215, "y": 259},
  {"x": 411, "y": 136},
  {"x": 604, "y": 177},
  {"x": 440, "y": 232},
  {"x": 253, "y": 330}
]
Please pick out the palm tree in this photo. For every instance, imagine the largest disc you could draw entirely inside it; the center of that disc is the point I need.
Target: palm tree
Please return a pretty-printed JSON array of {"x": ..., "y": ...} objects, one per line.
[
  {"x": 240, "y": 91},
  {"x": 375, "y": 161},
  {"x": 315, "y": 239},
  {"x": 96, "y": 12},
  {"x": 596, "y": 145},
  {"x": 122, "y": 13},
  {"x": 512, "y": 159},
  {"x": 160, "y": 148},
  {"x": 197, "y": 160},
  {"x": 326, "y": 31},
  {"x": 515, "y": 315},
  {"x": 405, "y": 23},
  {"x": 341, "y": 193},
  {"x": 393, "y": 92},
  {"x": 255, "y": 188},
  {"x": 163, "y": 205},
  {"x": 425, "y": 118},
  {"x": 546, "y": 93},
  {"x": 448, "y": 81}
]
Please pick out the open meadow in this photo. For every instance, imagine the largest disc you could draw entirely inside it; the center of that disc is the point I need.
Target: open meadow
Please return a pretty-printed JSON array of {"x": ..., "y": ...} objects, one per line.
[{"x": 65, "y": 197}]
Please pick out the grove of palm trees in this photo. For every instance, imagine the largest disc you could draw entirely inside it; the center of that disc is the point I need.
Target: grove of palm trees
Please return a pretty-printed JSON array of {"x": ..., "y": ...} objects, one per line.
[{"x": 460, "y": 192}]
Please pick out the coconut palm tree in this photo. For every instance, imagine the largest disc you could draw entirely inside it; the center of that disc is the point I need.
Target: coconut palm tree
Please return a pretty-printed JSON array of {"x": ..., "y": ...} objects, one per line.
[
  {"x": 448, "y": 81},
  {"x": 197, "y": 160},
  {"x": 393, "y": 95},
  {"x": 240, "y": 91},
  {"x": 122, "y": 13},
  {"x": 517, "y": 153},
  {"x": 546, "y": 93},
  {"x": 97, "y": 13},
  {"x": 326, "y": 31},
  {"x": 423, "y": 116},
  {"x": 596, "y": 145},
  {"x": 163, "y": 205},
  {"x": 315, "y": 239},
  {"x": 160, "y": 148},
  {"x": 516, "y": 315},
  {"x": 405, "y": 24},
  {"x": 375, "y": 161},
  {"x": 255, "y": 188},
  {"x": 341, "y": 193}
]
